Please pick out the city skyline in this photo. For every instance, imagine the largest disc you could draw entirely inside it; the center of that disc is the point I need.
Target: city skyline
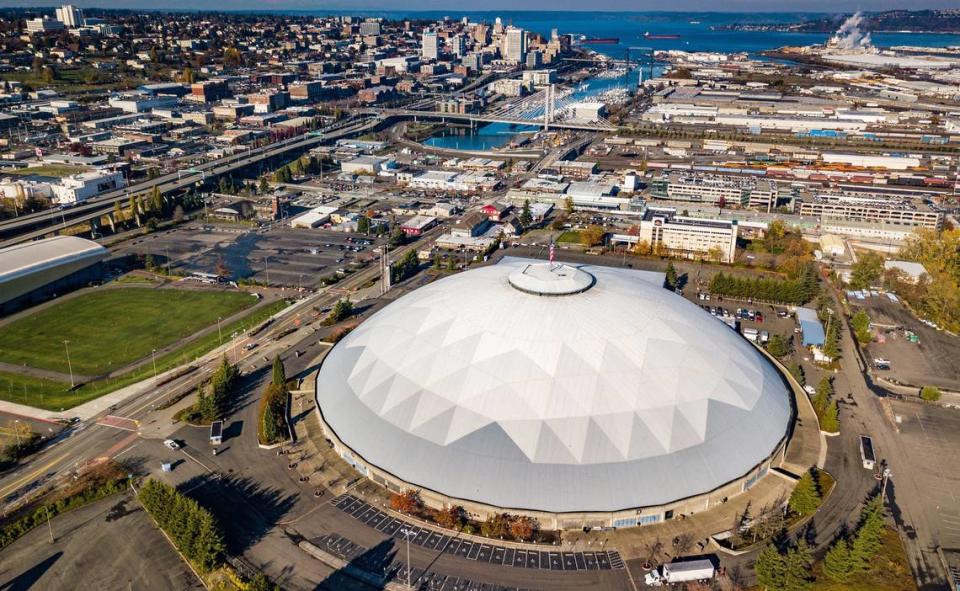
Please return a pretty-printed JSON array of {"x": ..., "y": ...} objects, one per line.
[{"x": 506, "y": 6}]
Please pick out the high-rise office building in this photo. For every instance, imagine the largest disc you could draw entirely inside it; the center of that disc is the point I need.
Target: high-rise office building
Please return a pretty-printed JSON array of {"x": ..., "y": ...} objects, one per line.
[
  {"x": 515, "y": 48},
  {"x": 458, "y": 45},
  {"x": 70, "y": 16},
  {"x": 429, "y": 46}
]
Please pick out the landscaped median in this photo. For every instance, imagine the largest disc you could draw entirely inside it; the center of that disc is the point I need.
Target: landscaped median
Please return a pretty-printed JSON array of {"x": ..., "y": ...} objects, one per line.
[{"x": 56, "y": 395}]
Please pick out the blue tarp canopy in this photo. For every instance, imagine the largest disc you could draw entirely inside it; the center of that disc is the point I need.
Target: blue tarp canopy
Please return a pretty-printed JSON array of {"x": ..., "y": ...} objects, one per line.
[{"x": 810, "y": 327}]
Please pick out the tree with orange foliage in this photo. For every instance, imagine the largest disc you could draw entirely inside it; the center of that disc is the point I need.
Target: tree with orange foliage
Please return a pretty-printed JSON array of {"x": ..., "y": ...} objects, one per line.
[
  {"x": 407, "y": 501},
  {"x": 523, "y": 528}
]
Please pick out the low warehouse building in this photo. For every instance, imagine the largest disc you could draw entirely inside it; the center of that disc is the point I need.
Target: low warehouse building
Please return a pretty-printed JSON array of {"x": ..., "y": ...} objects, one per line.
[{"x": 31, "y": 272}]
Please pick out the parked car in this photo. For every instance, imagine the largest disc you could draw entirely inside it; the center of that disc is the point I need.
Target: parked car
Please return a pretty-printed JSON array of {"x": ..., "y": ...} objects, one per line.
[{"x": 171, "y": 444}]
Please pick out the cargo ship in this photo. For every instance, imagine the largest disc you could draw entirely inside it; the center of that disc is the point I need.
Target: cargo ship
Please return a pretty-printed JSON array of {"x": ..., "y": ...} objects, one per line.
[
  {"x": 601, "y": 41},
  {"x": 649, "y": 35}
]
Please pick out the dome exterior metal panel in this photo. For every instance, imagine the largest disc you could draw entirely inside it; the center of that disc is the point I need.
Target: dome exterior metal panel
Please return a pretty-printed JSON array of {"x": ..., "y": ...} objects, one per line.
[{"x": 619, "y": 396}]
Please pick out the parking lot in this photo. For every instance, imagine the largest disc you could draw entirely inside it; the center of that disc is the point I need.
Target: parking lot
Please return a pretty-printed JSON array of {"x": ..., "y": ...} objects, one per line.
[
  {"x": 279, "y": 256},
  {"x": 930, "y": 361},
  {"x": 473, "y": 550},
  {"x": 385, "y": 565},
  {"x": 927, "y": 432}
]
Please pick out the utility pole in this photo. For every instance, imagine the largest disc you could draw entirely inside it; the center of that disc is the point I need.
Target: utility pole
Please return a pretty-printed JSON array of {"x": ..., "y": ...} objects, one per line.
[
  {"x": 66, "y": 344},
  {"x": 49, "y": 527}
]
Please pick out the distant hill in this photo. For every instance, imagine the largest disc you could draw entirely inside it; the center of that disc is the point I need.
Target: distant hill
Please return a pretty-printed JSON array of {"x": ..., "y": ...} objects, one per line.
[{"x": 926, "y": 21}]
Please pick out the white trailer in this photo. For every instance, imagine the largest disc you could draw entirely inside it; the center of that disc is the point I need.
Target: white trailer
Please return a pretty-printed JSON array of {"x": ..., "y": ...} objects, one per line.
[{"x": 681, "y": 572}]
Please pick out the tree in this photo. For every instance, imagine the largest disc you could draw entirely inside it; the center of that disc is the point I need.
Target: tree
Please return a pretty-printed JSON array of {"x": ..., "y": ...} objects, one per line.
[
  {"x": 861, "y": 327},
  {"x": 497, "y": 526},
  {"x": 568, "y": 205},
  {"x": 264, "y": 186},
  {"x": 821, "y": 399},
  {"x": 868, "y": 538},
  {"x": 798, "y": 374},
  {"x": 526, "y": 218},
  {"x": 341, "y": 310},
  {"x": 797, "y": 563},
  {"x": 156, "y": 200},
  {"x": 452, "y": 517},
  {"x": 407, "y": 501},
  {"x": 523, "y": 528},
  {"x": 671, "y": 276},
  {"x": 592, "y": 235},
  {"x": 279, "y": 375},
  {"x": 363, "y": 224},
  {"x": 830, "y": 421},
  {"x": 779, "y": 346},
  {"x": 222, "y": 383},
  {"x": 805, "y": 498},
  {"x": 838, "y": 565},
  {"x": 866, "y": 271},
  {"x": 117, "y": 212},
  {"x": 770, "y": 568},
  {"x": 930, "y": 393}
]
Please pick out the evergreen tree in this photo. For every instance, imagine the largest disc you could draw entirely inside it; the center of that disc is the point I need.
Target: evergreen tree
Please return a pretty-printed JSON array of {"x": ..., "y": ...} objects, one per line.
[
  {"x": 770, "y": 568},
  {"x": 778, "y": 346},
  {"x": 822, "y": 398},
  {"x": 525, "y": 216},
  {"x": 805, "y": 497},
  {"x": 838, "y": 564},
  {"x": 798, "y": 374},
  {"x": 156, "y": 200},
  {"x": 797, "y": 563},
  {"x": 869, "y": 534},
  {"x": 671, "y": 276},
  {"x": 279, "y": 373},
  {"x": 363, "y": 224},
  {"x": 264, "y": 186},
  {"x": 830, "y": 421}
]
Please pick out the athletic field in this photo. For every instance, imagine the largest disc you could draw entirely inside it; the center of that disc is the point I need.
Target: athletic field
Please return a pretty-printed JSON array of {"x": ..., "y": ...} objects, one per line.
[{"x": 108, "y": 329}]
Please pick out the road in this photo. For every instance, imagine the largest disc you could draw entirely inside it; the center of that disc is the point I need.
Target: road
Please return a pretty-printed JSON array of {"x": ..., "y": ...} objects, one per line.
[
  {"x": 22, "y": 229},
  {"x": 916, "y": 517}
]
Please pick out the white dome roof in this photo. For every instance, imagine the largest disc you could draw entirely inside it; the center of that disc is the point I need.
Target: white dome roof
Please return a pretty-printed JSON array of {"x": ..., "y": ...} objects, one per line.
[{"x": 606, "y": 392}]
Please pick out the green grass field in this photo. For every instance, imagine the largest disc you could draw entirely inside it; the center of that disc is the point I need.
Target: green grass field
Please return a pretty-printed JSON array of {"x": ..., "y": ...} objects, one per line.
[
  {"x": 57, "y": 170},
  {"x": 110, "y": 328},
  {"x": 54, "y": 395},
  {"x": 569, "y": 237}
]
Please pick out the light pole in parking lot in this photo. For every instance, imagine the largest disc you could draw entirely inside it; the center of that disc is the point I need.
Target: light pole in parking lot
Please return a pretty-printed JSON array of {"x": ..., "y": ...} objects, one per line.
[
  {"x": 69, "y": 365},
  {"x": 406, "y": 534},
  {"x": 887, "y": 474},
  {"x": 266, "y": 266}
]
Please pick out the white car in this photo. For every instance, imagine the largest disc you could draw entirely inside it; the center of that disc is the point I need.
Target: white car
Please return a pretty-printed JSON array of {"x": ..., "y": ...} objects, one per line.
[{"x": 171, "y": 444}]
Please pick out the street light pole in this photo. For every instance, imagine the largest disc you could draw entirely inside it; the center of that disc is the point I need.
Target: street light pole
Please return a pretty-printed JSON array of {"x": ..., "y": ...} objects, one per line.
[
  {"x": 16, "y": 429},
  {"x": 406, "y": 534},
  {"x": 153, "y": 356},
  {"x": 219, "y": 331},
  {"x": 887, "y": 474},
  {"x": 66, "y": 344}
]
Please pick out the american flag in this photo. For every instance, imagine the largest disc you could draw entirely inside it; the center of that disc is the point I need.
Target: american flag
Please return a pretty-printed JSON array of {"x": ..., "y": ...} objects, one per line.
[{"x": 551, "y": 253}]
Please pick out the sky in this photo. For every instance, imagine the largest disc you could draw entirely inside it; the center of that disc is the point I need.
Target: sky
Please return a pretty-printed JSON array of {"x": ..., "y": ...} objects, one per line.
[{"x": 503, "y": 5}]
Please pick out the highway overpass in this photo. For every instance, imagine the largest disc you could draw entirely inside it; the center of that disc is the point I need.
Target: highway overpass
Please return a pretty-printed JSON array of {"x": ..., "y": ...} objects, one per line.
[{"x": 40, "y": 224}]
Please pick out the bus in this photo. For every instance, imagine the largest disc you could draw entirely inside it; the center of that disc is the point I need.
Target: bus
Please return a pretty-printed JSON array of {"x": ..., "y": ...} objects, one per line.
[{"x": 866, "y": 453}]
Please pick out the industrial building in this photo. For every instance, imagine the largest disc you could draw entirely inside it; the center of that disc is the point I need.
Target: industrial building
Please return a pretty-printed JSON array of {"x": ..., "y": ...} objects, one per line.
[
  {"x": 582, "y": 396},
  {"x": 33, "y": 271},
  {"x": 904, "y": 215},
  {"x": 717, "y": 189}
]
